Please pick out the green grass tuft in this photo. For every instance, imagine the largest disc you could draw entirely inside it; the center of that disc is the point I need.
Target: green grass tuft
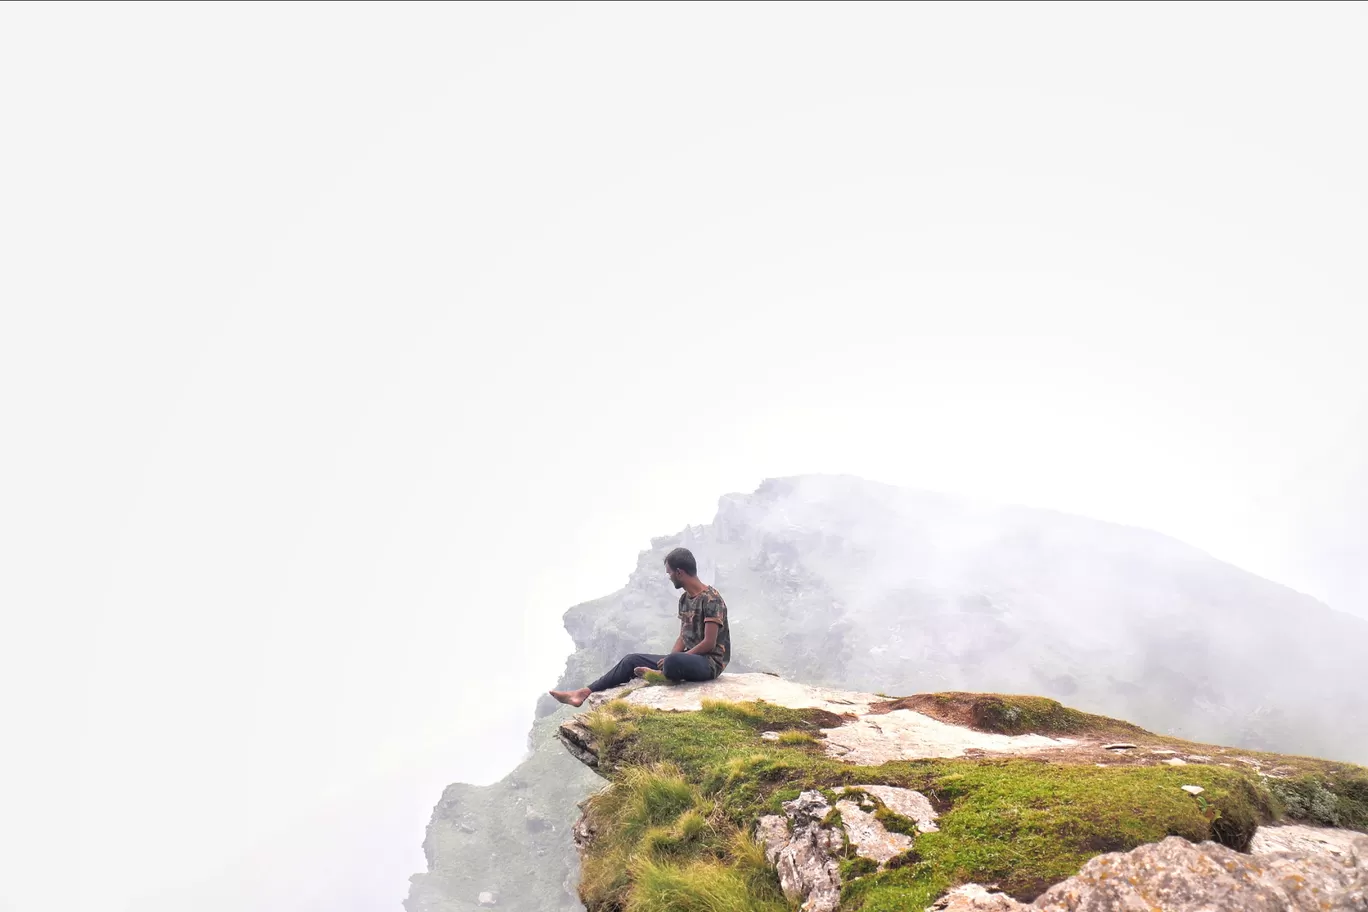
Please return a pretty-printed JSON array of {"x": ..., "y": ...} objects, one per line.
[
  {"x": 747, "y": 856},
  {"x": 700, "y": 886},
  {"x": 660, "y": 794},
  {"x": 859, "y": 866},
  {"x": 911, "y": 856},
  {"x": 793, "y": 738},
  {"x": 603, "y": 725},
  {"x": 745, "y": 712},
  {"x": 896, "y": 823}
]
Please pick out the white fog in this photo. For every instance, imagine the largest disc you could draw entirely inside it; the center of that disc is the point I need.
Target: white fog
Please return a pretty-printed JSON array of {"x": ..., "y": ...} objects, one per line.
[{"x": 344, "y": 347}]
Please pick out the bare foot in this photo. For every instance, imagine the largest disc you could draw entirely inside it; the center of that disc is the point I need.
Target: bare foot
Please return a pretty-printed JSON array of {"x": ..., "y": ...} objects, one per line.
[
  {"x": 571, "y": 697},
  {"x": 640, "y": 670}
]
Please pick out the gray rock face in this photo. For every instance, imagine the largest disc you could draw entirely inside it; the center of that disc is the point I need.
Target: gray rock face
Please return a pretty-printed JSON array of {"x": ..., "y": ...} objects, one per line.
[
  {"x": 1291, "y": 869},
  {"x": 804, "y": 852},
  {"x": 512, "y": 839}
]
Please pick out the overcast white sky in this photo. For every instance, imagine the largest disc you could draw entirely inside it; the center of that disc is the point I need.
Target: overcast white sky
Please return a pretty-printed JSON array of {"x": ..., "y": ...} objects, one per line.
[{"x": 343, "y": 347}]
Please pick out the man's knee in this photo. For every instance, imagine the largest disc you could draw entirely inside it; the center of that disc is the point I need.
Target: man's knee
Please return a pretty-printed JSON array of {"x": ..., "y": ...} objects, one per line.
[{"x": 678, "y": 667}]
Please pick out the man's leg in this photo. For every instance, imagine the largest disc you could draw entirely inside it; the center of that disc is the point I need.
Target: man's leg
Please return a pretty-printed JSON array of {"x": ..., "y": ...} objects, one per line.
[
  {"x": 625, "y": 670},
  {"x": 620, "y": 673},
  {"x": 681, "y": 666}
]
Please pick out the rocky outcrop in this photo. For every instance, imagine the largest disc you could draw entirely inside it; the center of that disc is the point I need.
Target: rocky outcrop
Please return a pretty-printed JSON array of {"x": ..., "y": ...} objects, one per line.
[
  {"x": 1290, "y": 869},
  {"x": 862, "y": 586},
  {"x": 804, "y": 850},
  {"x": 863, "y": 731},
  {"x": 867, "y": 729},
  {"x": 509, "y": 841},
  {"x": 806, "y": 841}
]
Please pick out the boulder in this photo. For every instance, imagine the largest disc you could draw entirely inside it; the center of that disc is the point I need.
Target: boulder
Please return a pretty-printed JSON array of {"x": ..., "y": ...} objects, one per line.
[{"x": 1290, "y": 869}]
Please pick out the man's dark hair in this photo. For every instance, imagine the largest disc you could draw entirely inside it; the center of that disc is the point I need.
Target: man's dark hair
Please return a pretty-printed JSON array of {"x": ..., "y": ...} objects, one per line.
[{"x": 682, "y": 559}]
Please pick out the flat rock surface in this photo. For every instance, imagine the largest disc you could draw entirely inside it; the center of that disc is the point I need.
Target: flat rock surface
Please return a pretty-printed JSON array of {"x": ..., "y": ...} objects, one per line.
[
  {"x": 908, "y": 803},
  {"x": 867, "y": 739},
  {"x": 907, "y": 735},
  {"x": 869, "y": 837},
  {"x": 688, "y": 696},
  {"x": 1344, "y": 845}
]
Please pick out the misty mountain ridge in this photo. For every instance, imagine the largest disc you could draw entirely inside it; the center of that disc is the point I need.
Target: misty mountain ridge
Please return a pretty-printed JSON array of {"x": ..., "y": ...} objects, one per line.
[{"x": 840, "y": 582}]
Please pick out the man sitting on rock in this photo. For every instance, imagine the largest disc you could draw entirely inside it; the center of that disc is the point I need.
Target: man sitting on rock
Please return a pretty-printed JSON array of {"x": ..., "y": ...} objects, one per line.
[{"x": 702, "y": 649}]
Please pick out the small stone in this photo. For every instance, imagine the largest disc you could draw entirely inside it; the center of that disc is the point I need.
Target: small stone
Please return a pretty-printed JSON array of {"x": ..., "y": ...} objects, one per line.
[
  {"x": 1175, "y": 761},
  {"x": 769, "y": 736},
  {"x": 1163, "y": 752},
  {"x": 488, "y": 898},
  {"x": 975, "y": 898},
  {"x": 1198, "y": 758},
  {"x": 1120, "y": 746},
  {"x": 1193, "y": 789}
]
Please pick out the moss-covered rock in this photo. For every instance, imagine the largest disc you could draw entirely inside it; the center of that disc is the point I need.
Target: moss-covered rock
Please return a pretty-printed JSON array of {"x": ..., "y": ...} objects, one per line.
[{"x": 689, "y": 788}]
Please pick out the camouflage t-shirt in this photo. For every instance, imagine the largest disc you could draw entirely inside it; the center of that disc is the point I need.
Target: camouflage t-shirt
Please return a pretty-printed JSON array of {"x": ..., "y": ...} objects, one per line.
[{"x": 694, "y": 614}]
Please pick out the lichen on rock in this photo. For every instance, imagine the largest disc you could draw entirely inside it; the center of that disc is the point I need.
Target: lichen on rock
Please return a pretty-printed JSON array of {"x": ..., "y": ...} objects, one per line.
[{"x": 1294, "y": 872}]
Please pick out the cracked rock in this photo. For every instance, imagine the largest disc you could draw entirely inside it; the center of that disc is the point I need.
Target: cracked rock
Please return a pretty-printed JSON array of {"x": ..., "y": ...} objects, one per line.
[{"x": 806, "y": 856}]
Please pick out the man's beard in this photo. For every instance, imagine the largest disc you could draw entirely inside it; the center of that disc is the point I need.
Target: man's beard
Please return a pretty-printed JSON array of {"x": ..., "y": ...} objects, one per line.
[{"x": 677, "y": 584}]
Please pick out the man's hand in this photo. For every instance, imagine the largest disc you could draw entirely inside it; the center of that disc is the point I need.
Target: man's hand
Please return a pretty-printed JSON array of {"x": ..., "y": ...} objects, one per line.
[{"x": 661, "y": 664}]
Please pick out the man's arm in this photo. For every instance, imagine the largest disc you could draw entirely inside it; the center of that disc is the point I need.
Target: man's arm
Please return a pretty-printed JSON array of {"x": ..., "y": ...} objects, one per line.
[
  {"x": 678, "y": 647},
  {"x": 710, "y": 628}
]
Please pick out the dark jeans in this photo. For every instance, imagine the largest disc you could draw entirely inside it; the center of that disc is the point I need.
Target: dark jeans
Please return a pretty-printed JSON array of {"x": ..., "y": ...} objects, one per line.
[{"x": 679, "y": 666}]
